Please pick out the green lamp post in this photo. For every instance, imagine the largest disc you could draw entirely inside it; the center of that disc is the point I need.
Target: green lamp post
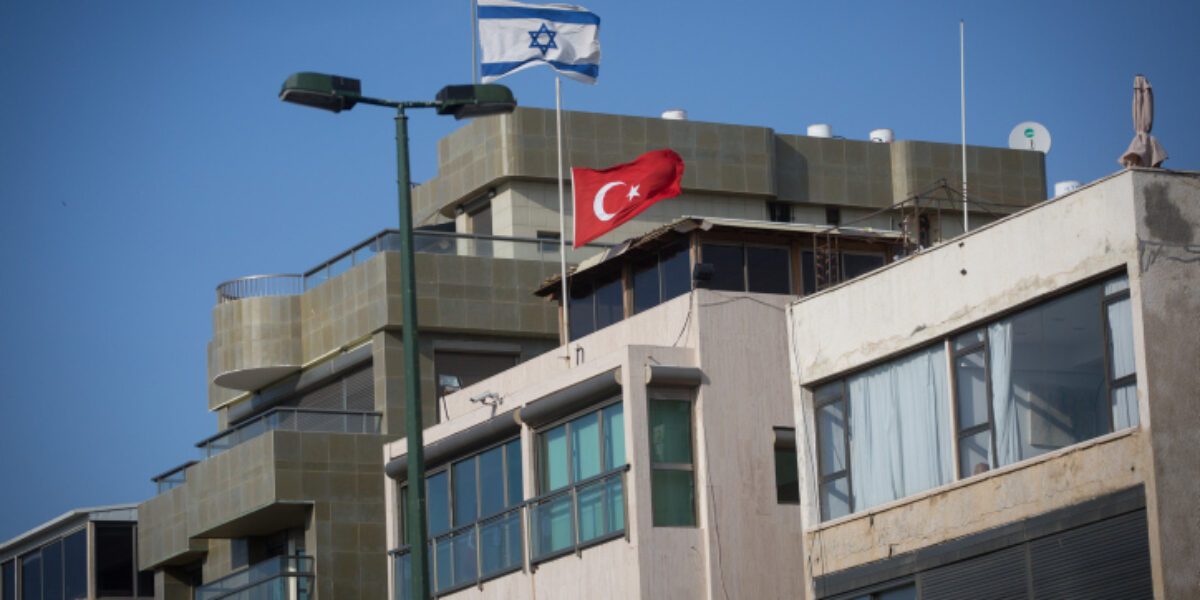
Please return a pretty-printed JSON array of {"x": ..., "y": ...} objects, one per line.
[{"x": 334, "y": 93}]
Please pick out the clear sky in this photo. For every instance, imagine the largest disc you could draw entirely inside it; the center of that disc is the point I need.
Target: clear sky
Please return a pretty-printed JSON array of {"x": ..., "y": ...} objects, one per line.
[{"x": 145, "y": 158}]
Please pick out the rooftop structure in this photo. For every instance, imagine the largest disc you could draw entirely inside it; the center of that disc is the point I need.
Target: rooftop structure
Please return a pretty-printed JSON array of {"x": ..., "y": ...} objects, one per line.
[{"x": 304, "y": 369}]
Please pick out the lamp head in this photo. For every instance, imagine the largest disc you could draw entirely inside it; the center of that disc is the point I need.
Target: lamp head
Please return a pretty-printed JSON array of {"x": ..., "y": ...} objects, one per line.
[
  {"x": 318, "y": 90},
  {"x": 467, "y": 101}
]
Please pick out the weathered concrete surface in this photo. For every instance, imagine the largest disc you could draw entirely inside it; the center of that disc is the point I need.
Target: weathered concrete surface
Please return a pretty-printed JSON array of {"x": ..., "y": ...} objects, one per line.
[{"x": 1168, "y": 238}]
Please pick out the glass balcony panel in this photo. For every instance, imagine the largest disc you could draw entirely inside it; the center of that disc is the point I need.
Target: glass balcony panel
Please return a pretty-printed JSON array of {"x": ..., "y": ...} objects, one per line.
[
  {"x": 553, "y": 527},
  {"x": 403, "y": 567},
  {"x": 500, "y": 542},
  {"x": 278, "y": 578}
]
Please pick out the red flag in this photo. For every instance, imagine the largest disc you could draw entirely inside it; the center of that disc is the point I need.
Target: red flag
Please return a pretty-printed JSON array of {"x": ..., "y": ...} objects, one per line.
[{"x": 606, "y": 198}]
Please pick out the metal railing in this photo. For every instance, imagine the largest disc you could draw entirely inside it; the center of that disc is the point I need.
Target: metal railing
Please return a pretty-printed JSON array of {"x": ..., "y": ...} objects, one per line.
[
  {"x": 425, "y": 242},
  {"x": 172, "y": 479},
  {"x": 291, "y": 419},
  {"x": 277, "y": 578},
  {"x": 589, "y": 512},
  {"x": 258, "y": 286}
]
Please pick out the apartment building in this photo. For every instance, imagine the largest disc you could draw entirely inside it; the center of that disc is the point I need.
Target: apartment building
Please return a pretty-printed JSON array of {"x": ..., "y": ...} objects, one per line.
[
  {"x": 1018, "y": 418},
  {"x": 305, "y": 372},
  {"x": 83, "y": 554}
]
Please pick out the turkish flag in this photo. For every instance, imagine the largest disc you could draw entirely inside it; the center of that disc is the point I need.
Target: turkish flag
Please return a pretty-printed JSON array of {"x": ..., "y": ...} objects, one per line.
[{"x": 606, "y": 198}]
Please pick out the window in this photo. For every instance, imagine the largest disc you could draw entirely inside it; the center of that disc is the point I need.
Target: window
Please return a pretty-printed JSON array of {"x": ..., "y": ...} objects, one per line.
[
  {"x": 672, "y": 477},
  {"x": 833, "y": 215},
  {"x": 739, "y": 268},
  {"x": 75, "y": 566},
  {"x": 595, "y": 306},
  {"x": 787, "y": 476},
  {"x": 661, "y": 277},
  {"x": 837, "y": 267},
  {"x": 580, "y": 478},
  {"x": 1041, "y": 379},
  {"x": 468, "y": 503},
  {"x": 455, "y": 370},
  {"x": 779, "y": 212},
  {"x": 1045, "y": 378},
  {"x": 8, "y": 572},
  {"x": 31, "y": 575}
]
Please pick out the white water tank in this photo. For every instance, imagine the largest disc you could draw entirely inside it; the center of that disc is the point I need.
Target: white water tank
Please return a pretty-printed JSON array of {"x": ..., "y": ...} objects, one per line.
[
  {"x": 675, "y": 114},
  {"x": 821, "y": 130},
  {"x": 1063, "y": 187},
  {"x": 883, "y": 136}
]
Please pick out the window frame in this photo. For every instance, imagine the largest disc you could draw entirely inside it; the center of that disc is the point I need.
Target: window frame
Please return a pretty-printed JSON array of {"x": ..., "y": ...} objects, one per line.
[
  {"x": 953, "y": 354},
  {"x": 448, "y": 468},
  {"x": 539, "y": 459},
  {"x": 688, "y": 397},
  {"x": 744, "y": 247}
]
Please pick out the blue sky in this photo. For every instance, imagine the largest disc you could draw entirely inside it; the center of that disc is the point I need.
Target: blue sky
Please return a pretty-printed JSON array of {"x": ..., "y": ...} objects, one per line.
[{"x": 146, "y": 158}]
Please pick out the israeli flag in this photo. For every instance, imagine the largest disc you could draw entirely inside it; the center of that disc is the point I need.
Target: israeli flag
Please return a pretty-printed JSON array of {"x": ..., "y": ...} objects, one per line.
[{"x": 516, "y": 35}]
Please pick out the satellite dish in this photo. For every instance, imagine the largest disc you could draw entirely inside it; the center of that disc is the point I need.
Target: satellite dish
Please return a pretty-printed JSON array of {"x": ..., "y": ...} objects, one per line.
[{"x": 1030, "y": 136}]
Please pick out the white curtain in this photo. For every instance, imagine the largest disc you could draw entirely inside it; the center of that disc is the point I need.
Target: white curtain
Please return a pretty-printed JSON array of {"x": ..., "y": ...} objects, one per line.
[
  {"x": 1120, "y": 334},
  {"x": 900, "y": 434},
  {"x": 1004, "y": 405}
]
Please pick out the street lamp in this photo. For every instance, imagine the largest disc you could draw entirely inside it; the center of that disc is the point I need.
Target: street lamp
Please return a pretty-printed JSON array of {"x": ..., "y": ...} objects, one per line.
[{"x": 334, "y": 93}]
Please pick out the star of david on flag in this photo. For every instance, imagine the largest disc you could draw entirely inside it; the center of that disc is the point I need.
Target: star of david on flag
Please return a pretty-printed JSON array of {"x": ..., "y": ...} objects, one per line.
[{"x": 518, "y": 35}]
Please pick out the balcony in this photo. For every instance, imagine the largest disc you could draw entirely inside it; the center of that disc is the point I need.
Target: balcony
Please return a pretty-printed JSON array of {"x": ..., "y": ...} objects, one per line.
[
  {"x": 562, "y": 522},
  {"x": 388, "y": 240},
  {"x": 291, "y": 419},
  {"x": 278, "y": 578}
]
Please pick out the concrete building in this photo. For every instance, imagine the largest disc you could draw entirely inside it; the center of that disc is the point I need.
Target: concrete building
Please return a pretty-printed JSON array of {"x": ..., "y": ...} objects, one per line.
[
  {"x": 1011, "y": 414},
  {"x": 660, "y": 462},
  {"x": 83, "y": 554},
  {"x": 305, "y": 370}
]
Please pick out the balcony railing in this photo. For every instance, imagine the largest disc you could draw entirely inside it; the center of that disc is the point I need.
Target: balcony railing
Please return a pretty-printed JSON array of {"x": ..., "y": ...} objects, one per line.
[
  {"x": 291, "y": 419},
  {"x": 388, "y": 240},
  {"x": 172, "y": 479},
  {"x": 587, "y": 513},
  {"x": 278, "y": 578}
]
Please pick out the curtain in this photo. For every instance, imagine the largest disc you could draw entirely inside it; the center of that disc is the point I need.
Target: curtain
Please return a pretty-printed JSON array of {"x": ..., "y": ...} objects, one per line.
[
  {"x": 900, "y": 434},
  {"x": 1120, "y": 335},
  {"x": 1004, "y": 410}
]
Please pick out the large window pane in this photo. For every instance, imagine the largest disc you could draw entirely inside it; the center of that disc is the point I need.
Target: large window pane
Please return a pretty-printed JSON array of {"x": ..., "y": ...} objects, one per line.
[
  {"x": 31, "y": 576},
  {"x": 787, "y": 477},
  {"x": 728, "y": 263},
  {"x": 646, "y": 293},
  {"x": 854, "y": 265},
  {"x": 491, "y": 482},
  {"x": 512, "y": 456},
  {"x": 8, "y": 572},
  {"x": 581, "y": 307},
  {"x": 437, "y": 501},
  {"x": 465, "y": 496},
  {"x": 768, "y": 270},
  {"x": 585, "y": 447},
  {"x": 52, "y": 568},
  {"x": 835, "y": 498},
  {"x": 114, "y": 559},
  {"x": 971, "y": 385},
  {"x": 614, "y": 436},
  {"x": 831, "y": 431},
  {"x": 674, "y": 496},
  {"x": 974, "y": 454},
  {"x": 610, "y": 306},
  {"x": 1048, "y": 377},
  {"x": 900, "y": 433},
  {"x": 1120, "y": 338},
  {"x": 670, "y": 431},
  {"x": 676, "y": 266},
  {"x": 553, "y": 455}
]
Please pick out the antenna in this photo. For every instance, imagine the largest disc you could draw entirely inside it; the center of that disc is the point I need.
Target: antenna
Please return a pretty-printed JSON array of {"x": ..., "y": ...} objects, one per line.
[{"x": 1030, "y": 135}]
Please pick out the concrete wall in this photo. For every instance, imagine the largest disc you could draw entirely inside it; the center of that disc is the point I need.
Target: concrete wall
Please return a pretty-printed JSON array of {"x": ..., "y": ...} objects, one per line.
[
  {"x": 1140, "y": 222},
  {"x": 745, "y": 544},
  {"x": 1168, "y": 237}
]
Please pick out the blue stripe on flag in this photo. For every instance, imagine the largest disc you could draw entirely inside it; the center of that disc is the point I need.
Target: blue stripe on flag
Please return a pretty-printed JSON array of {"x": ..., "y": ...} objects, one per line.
[
  {"x": 545, "y": 14},
  {"x": 500, "y": 68}
]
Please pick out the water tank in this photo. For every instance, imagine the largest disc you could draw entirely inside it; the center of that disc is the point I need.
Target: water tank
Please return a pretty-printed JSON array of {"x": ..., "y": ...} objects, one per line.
[
  {"x": 675, "y": 114},
  {"x": 883, "y": 136},
  {"x": 821, "y": 130},
  {"x": 1063, "y": 187}
]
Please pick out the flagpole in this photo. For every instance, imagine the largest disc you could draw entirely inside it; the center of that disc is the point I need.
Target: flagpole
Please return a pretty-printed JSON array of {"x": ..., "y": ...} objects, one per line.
[
  {"x": 962, "y": 78},
  {"x": 474, "y": 41},
  {"x": 562, "y": 221}
]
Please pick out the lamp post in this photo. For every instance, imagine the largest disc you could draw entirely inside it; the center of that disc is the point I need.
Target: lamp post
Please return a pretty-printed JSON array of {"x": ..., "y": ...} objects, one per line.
[{"x": 334, "y": 93}]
